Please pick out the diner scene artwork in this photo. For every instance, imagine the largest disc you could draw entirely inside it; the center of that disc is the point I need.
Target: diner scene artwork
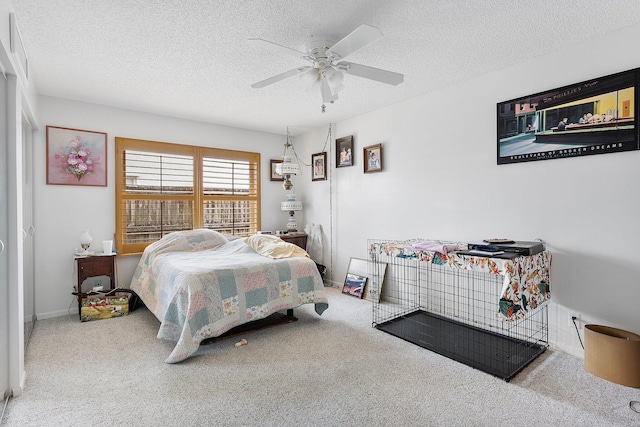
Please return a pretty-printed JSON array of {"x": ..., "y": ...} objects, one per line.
[{"x": 593, "y": 117}]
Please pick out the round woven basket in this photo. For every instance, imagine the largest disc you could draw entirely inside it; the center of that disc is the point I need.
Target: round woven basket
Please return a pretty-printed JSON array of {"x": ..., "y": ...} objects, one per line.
[{"x": 612, "y": 354}]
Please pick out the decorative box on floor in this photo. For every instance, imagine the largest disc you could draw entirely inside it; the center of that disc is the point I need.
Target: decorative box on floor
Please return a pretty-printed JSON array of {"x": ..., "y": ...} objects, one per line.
[
  {"x": 488, "y": 313},
  {"x": 98, "y": 307}
]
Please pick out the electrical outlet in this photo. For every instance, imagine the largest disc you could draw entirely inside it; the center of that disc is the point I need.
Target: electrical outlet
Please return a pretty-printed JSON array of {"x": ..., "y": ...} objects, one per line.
[{"x": 571, "y": 316}]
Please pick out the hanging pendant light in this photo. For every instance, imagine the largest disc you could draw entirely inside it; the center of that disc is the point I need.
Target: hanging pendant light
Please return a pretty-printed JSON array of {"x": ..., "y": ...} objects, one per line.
[{"x": 287, "y": 168}]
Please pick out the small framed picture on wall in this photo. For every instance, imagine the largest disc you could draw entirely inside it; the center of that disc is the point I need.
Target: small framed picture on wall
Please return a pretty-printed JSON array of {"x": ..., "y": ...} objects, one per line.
[
  {"x": 372, "y": 158},
  {"x": 319, "y": 166},
  {"x": 274, "y": 176},
  {"x": 344, "y": 151},
  {"x": 76, "y": 157}
]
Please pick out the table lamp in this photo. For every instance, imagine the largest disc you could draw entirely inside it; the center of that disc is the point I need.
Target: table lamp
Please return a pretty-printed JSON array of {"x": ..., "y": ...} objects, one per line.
[
  {"x": 85, "y": 241},
  {"x": 291, "y": 206}
]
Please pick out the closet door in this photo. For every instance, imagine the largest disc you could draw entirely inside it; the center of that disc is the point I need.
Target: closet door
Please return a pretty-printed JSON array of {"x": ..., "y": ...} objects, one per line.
[
  {"x": 4, "y": 289},
  {"x": 28, "y": 231}
]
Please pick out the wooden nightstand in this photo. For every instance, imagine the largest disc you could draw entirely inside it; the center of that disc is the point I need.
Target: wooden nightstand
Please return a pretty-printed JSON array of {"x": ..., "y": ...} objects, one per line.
[
  {"x": 299, "y": 239},
  {"x": 93, "y": 266}
]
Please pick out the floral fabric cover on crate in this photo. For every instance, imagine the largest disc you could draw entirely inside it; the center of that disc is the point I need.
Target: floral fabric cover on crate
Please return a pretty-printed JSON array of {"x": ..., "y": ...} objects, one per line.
[
  {"x": 200, "y": 285},
  {"x": 526, "y": 284}
]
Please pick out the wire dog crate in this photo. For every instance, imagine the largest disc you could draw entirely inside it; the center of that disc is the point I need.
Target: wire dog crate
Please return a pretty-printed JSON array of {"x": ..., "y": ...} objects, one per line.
[{"x": 454, "y": 312}]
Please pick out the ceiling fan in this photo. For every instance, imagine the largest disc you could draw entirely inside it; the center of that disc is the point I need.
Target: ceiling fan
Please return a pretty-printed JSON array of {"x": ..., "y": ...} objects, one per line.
[{"x": 327, "y": 63}]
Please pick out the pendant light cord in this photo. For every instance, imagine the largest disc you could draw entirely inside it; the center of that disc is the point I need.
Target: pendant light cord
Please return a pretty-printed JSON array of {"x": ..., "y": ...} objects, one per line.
[
  {"x": 324, "y": 148},
  {"x": 330, "y": 171},
  {"x": 329, "y": 176}
]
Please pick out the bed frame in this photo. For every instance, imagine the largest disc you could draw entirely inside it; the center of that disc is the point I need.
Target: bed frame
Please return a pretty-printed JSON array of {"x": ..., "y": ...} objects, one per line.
[{"x": 275, "y": 319}]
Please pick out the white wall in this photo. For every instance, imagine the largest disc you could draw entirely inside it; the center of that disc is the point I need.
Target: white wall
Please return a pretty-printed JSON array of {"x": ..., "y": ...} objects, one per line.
[
  {"x": 440, "y": 181},
  {"x": 316, "y": 196},
  {"x": 62, "y": 212}
]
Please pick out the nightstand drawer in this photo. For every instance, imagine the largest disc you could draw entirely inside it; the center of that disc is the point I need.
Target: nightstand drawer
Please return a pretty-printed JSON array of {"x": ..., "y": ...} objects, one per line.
[
  {"x": 95, "y": 266},
  {"x": 299, "y": 239}
]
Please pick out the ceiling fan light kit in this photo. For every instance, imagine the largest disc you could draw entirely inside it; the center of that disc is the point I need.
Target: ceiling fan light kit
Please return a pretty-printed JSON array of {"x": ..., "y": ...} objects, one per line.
[{"x": 328, "y": 66}]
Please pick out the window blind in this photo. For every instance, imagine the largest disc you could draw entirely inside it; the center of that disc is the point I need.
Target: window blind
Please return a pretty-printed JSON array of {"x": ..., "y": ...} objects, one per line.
[{"x": 161, "y": 188}]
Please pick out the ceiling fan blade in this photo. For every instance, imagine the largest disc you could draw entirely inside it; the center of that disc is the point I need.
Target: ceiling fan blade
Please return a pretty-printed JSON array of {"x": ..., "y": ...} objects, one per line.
[
  {"x": 277, "y": 47},
  {"x": 358, "y": 38},
  {"x": 327, "y": 96},
  {"x": 277, "y": 78},
  {"x": 383, "y": 76}
]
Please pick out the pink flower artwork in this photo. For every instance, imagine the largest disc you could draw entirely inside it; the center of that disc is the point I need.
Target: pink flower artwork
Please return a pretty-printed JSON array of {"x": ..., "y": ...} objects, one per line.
[{"x": 76, "y": 157}]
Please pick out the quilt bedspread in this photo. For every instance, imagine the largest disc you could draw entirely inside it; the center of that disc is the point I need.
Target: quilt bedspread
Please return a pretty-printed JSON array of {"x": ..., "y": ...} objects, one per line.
[{"x": 200, "y": 288}]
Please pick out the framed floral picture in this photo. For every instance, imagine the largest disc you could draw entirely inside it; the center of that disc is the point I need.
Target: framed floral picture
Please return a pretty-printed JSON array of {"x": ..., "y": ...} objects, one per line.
[
  {"x": 344, "y": 151},
  {"x": 319, "y": 166},
  {"x": 372, "y": 158},
  {"x": 76, "y": 157}
]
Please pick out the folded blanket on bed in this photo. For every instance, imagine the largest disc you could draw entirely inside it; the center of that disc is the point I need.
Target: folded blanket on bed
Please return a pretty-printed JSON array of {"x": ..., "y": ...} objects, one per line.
[{"x": 274, "y": 247}]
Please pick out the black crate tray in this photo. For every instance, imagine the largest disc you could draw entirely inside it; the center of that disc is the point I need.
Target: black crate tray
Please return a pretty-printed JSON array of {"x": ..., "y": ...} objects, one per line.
[{"x": 481, "y": 349}]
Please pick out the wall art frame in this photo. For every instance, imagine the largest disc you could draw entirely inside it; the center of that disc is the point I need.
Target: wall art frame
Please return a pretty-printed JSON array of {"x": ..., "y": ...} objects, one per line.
[
  {"x": 76, "y": 157},
  {"x": 354, "y": 285},
  {"x": 362, "y": 267},
  {"x": 274, "y": 176},
  {"x": 319, "y": 166},
  {"x": 344, "y": 151},
  {"x": 372, "y": 158},
  {"x": 595, "y": 116}
]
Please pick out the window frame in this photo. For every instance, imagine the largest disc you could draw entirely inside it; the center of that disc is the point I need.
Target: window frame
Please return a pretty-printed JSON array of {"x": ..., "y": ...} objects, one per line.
[{"x": 198, "y": 197}]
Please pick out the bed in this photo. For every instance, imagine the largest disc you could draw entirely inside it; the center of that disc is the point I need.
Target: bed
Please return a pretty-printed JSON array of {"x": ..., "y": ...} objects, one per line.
[{"x": 200, "y": 284}]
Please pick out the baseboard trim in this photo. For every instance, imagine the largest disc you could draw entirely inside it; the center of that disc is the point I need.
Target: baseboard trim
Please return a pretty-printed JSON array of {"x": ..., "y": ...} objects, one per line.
[
  {"x": 4, "y": 407},
  {"x": 59, "y": 313},
  {"x": 332, "y": 284},
  {"x": 17, "y": 392}
]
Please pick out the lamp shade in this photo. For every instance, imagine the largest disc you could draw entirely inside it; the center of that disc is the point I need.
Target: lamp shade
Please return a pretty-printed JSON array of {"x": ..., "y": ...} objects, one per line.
[
  {"x": 291, "y": 205},
  {"x": 310, "y": 77},
  {"x": 85, "y": 239},
  {"x": 334, "y": 79},
  {"x": 287, "y": 167}
]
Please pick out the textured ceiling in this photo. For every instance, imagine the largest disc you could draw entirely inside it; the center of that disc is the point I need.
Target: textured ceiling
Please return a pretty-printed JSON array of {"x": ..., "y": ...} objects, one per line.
[{"x": 191, "y": 58}]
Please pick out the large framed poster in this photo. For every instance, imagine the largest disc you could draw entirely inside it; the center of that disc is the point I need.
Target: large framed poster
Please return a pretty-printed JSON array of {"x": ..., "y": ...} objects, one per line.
[{"x": 593, "y": 117}]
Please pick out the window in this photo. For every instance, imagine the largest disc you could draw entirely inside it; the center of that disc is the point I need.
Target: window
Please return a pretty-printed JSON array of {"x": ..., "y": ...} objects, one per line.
[{"x": 163, "y": 187}]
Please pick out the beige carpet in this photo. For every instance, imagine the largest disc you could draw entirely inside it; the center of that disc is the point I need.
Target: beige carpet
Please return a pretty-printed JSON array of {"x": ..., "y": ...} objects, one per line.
[{"x": 333, "y": 370}]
